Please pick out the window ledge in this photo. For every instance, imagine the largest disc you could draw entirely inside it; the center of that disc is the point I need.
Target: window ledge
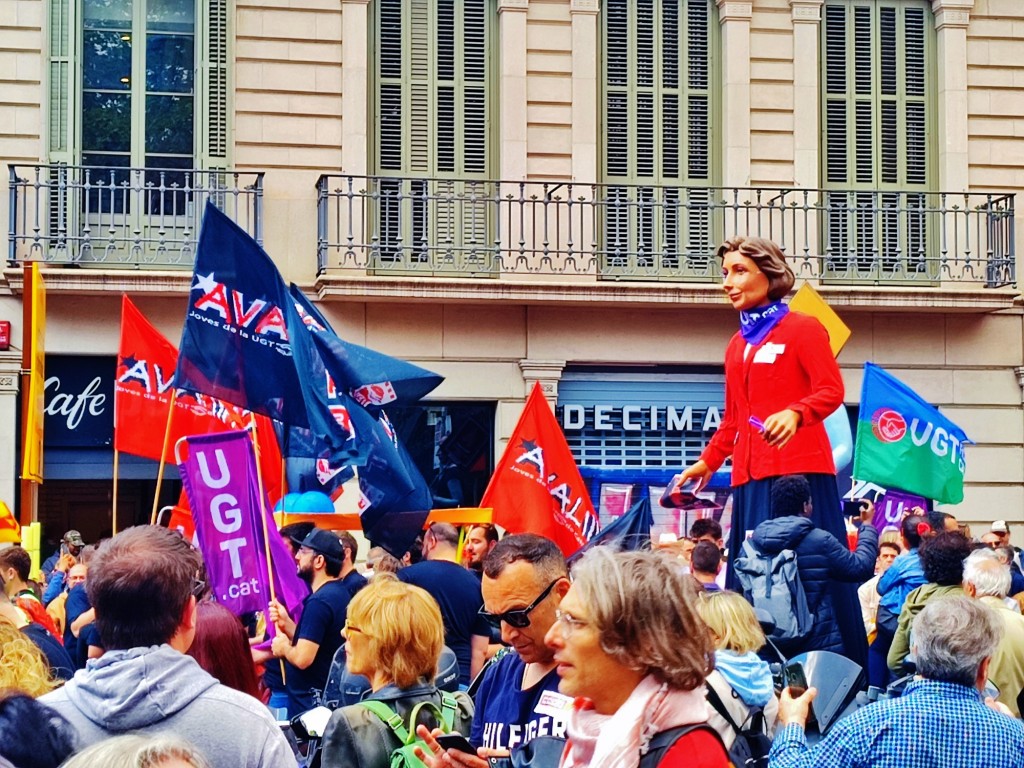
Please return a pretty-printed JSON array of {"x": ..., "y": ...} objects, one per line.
[{"x": 330, "y": 287}]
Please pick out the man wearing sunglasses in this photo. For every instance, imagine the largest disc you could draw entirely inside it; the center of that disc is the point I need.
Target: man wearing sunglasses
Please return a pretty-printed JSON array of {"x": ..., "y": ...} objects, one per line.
[{"x": 525, "y": 579}]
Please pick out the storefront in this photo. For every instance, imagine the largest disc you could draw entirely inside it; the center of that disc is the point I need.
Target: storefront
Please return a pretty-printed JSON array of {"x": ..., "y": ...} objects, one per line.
[
  {"x": 631, "y": 430},
  {"x": 451, "y": 443},
  {"x": 78, "y": 455}
]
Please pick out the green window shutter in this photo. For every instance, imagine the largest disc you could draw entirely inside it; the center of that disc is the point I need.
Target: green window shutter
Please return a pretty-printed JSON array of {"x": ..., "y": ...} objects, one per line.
[
  {"x": 877, "y": 98},
  {"x": 877, "y": 93},
  {"x": 213, "y": 88},
  {"x": 63, "y": 71},
  {"x": 431, "y": 82},
  {"x": 656, "y": 65}
]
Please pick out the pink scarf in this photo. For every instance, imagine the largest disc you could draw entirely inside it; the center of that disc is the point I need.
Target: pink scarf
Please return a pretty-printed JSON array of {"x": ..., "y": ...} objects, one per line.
[{"x": 615, "y": 741}]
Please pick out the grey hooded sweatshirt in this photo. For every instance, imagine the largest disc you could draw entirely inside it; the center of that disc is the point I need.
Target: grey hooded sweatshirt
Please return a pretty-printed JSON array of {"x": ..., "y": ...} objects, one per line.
[{"x": 158, "y": 690}]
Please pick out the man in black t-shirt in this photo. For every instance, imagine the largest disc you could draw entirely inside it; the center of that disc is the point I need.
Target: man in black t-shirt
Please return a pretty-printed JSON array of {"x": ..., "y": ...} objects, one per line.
[
  {"x": 309, "y": 647},
  {"x": 457, "y": 592}
]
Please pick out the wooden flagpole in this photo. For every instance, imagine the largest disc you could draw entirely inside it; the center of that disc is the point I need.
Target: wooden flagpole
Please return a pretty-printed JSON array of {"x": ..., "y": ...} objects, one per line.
[
  {"x": 263, "y": 519},
  {"x": 163, "y": 454},
  {"x": 113, "y": 514}
]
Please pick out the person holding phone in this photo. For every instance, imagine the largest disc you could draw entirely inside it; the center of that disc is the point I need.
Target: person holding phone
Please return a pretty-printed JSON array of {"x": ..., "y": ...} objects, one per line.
[
  {"x": 393, "y": 635},
  {"x": 781, "y": 382},
  {"x": 941, "y": 719}
]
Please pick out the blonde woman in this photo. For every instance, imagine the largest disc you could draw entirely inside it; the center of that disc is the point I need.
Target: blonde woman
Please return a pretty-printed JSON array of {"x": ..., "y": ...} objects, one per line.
[
  {"x": 135, "y": 751},
  {"x": 22, "y": 665},
  {"x": 393, "y": 635},
  {"x": 741, "y": 680}
]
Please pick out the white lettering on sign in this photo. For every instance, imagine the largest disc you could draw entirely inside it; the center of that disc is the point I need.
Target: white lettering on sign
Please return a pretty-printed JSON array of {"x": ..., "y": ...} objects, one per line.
[
  {"x": 222, "y": 464},
  {"x": 638, "y": 418},
  {"x": 74, "y": 407},
  {"x": 232, "y": 520}
]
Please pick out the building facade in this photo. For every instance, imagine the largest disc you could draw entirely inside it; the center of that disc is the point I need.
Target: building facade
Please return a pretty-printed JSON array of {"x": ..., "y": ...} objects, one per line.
[{"x": 521, "y": 191}]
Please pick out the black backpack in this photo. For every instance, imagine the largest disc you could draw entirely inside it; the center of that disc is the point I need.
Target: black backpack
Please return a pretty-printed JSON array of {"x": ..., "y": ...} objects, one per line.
[
  {"x": 664, "y": 741},
  {"x": 752, "y": 745}
]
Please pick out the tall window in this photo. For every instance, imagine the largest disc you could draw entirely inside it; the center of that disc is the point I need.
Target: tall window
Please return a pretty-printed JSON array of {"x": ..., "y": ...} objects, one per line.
[
  {"x": 138, "y": 83},
  {"x": 657, "y": 127},
  {"x": 433, "y": 100},
  {"x": 878, "y": 99}
]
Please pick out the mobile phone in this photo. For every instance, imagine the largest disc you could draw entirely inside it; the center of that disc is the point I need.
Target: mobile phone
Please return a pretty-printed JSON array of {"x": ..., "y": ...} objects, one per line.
[
  {"x": 852, "y": 507},
  {"x": 795, "y": 679},
  {"x": 455, "y": 741}
]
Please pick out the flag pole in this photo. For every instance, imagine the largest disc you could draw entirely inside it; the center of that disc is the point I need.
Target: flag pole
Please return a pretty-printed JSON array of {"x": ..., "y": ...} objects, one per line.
[
  {"x": 263, "y": 519},
  {"x": 462, "y": 543},
  {"x": 113, "y": 514},
  {"x": 163, "y": 455}
]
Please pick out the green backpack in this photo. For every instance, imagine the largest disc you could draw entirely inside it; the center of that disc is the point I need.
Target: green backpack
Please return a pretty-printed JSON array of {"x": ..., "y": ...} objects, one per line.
[{"x": 404, "y": 757}]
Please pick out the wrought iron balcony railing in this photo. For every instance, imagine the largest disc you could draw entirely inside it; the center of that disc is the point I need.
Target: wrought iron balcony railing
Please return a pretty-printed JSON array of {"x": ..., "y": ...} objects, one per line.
[
  {"x": 122, "y": 217},
  {"x": 466, "y": 228}
]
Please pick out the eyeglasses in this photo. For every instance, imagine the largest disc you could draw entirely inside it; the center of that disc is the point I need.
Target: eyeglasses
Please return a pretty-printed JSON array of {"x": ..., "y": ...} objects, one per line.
[
  {"x": 519, "y": 618},
  {"x": 198, "y": 587},
  {"x": 351, "y": 628},
  {"x": 569, "y": 622}
]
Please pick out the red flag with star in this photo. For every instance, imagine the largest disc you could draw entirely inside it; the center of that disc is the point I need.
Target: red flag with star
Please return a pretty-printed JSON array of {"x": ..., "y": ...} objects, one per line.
[
  {"x": 142, "y": 396},
  {"x": 537, "y": 487}
]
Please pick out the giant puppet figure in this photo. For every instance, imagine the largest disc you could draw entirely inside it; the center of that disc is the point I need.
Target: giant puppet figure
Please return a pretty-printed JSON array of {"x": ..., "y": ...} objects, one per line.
[{"x": 781, "y": 382}]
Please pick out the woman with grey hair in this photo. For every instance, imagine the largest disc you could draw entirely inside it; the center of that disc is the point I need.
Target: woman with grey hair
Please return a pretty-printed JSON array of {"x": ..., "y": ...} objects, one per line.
[
  {"x": 634, "y": 654},
  {"x": 138, "y": 751}
]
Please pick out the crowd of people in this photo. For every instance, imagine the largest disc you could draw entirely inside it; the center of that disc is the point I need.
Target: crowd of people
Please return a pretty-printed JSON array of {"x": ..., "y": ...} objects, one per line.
[
  {"x": 479, "y": 651},
  {"x": 626, "y": 658}
]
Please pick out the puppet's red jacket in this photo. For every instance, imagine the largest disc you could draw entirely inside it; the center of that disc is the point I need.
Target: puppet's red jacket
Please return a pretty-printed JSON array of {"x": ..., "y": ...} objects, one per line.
[{"x": 792, "y": 368}]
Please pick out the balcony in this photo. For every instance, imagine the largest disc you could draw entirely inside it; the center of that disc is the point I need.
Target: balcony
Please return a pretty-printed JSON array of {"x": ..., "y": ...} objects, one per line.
[
  {"x": 122, "y": 218},
  {"x": 614, "y": 236}
]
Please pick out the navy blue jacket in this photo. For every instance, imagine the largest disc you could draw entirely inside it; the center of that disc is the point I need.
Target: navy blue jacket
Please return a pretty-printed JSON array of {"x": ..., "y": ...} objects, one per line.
[{"x": 821, "y": 559}]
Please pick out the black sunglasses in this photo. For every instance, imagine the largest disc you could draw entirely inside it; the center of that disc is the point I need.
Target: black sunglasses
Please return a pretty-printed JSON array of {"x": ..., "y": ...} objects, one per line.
[{"x": 519, "y": 618}]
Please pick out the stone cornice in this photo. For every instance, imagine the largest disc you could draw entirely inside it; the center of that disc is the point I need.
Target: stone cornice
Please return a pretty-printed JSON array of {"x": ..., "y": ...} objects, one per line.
[
  {"x": 542, "y": 290},
  {"x": 806, "y": 11},
  {"x": 952, "y": 13},
  {"x": 734, "y": 10},
  {"x": 332, "y": 287},
  {"x": 513, "y": 5},
  {"x": 89, "y": 281},
  {"x": 584, "y": 6}
]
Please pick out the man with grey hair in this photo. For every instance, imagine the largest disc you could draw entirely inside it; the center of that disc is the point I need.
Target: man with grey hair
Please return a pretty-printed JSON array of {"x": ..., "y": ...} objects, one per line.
[
  {"x": 988, "y": 579},
  {"x": 940, "y": 720}
]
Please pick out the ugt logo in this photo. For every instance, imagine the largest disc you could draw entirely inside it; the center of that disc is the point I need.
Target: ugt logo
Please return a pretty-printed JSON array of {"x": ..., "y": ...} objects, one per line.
[{"x": 888, "y": 425}]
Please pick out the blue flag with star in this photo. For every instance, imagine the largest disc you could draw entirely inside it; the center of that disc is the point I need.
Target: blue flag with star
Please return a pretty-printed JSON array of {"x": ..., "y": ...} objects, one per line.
[
  {"x": 241, "y": 340},
  {"x": 355, "y": 383}
]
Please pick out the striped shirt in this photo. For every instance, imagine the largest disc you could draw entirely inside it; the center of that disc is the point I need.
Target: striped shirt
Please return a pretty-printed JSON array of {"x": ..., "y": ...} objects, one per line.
[{"x": 932, "y": 724}]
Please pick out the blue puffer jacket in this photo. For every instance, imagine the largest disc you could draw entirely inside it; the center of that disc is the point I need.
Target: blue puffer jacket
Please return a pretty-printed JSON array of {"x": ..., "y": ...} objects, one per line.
[{"x": 821, "y": 559}]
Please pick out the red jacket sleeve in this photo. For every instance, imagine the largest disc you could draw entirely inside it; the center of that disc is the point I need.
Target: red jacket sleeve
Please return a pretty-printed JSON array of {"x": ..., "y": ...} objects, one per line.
[
  {"x": 722, "y": 443},
  {"x": 697, "y": 749}
]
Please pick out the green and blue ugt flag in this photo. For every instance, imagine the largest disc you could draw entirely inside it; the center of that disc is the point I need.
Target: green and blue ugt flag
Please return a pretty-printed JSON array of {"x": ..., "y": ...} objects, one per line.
[{"x": 903, "y": 442}]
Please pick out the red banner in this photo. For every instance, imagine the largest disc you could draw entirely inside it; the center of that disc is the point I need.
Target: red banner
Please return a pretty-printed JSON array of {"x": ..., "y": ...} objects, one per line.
[
  {"x": 537, "y": 487},
  {"x": 142, "y": 397}
]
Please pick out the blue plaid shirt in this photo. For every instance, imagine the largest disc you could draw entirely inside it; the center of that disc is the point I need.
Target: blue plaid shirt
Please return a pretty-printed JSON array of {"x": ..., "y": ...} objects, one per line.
[{"x": 932, "y": 725}]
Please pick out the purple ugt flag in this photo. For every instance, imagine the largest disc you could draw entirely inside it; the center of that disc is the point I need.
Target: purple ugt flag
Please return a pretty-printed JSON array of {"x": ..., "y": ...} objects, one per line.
[
  {"x": 890, "y": 508},
  {"x": 219, "y": 476}
]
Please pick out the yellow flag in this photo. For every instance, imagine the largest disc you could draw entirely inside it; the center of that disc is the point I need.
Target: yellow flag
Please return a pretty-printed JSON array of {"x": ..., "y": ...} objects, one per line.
[
  {"x": 10, "y": 531},
  {"x": 32, "y": 465},
  {"x": 809, "y": 302}
]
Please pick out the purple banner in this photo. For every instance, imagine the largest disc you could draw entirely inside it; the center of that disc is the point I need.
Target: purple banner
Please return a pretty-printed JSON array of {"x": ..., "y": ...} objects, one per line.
[
  {"x": 890, "y": 508},
  {"x": 219, "y": 476}
]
